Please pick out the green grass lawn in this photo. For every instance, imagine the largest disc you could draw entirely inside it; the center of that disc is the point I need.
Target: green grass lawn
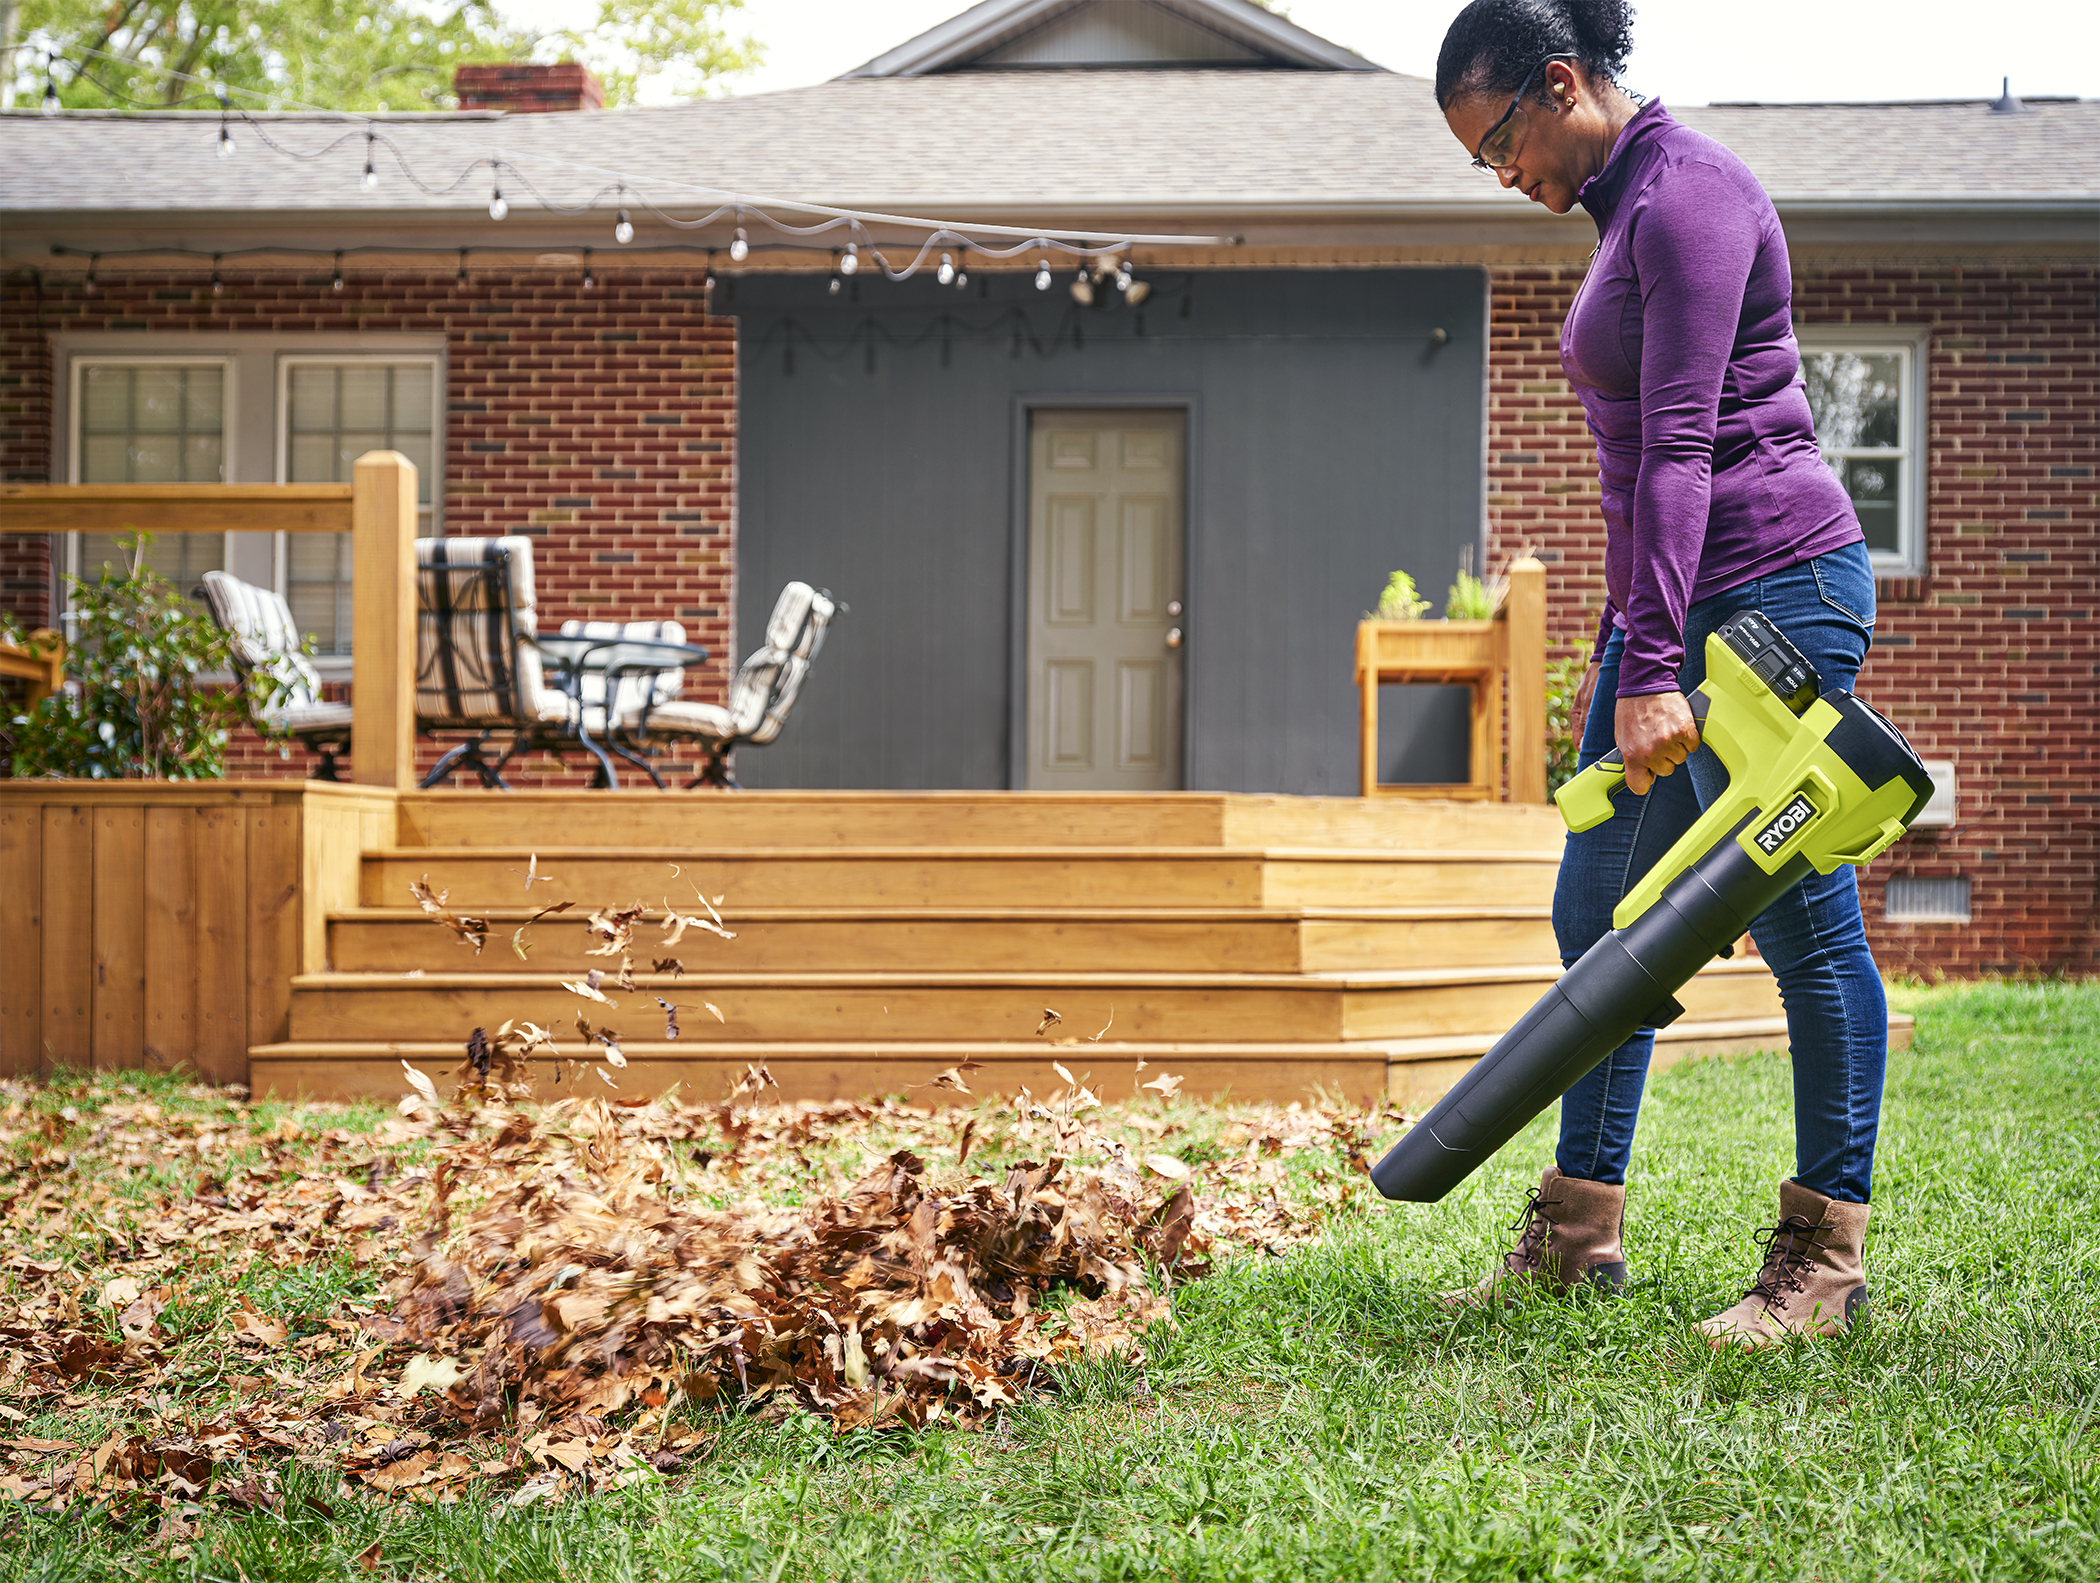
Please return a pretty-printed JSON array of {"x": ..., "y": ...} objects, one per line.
[{"x": 1316, "y": 1415}]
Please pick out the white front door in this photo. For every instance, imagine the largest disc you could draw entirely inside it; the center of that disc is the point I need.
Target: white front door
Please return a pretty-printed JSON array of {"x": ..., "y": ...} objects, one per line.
[{"x": 1105, "y": 617}]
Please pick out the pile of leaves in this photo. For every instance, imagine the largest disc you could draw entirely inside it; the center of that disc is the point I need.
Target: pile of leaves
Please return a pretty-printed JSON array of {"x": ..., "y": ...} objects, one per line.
[{"x": 556, "y": 1298}]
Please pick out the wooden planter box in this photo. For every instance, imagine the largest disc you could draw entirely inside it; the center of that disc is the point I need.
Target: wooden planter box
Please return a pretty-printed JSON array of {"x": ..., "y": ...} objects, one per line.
[{"x": 1478, "y": 655}]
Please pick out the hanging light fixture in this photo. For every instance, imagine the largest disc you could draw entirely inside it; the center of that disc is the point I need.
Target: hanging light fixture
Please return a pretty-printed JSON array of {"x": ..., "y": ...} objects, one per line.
[
  {"x": 1123, "y": 274},
  {"x": 962, "y": 268},
  {"x": 707, "y": 286},
  {"x": 623, "y": 229},
  {"x": 1042, "y": 274},
  {"x": 739, "y": 244},
  {"x": 371, "y": 176},
  {"x": 337, "y": 283},
  {"x": 850, "y": 264},
  {"x": 1082, "y": 288},
  {"x": 946, "y": 273},
  {"x": 50, "y": 106},
  {"x": 498, "y": 208},
  {"x": 225, "y": 131},
  {"x": 218, "y": 287},
  {"x": 462, "y": 266},
  {"x": 93, "y": 260},
  {"x": 836, "y": 283},
  {"x": 590, "y": 279}
]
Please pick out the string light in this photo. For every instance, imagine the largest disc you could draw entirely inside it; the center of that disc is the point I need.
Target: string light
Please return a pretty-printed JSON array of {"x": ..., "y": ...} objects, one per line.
[
  {"x": 218, "y": 287},
  {"x": 462, "y": 266},
  {"x": 590, "y": 280},
  {"x": 707, "y": 286},
  {"x": 850, "y": 264},
  {"x": 1083, "y": 288},
  {"x": 225, "y": 131},
  {"x": 962, "y": 268},
  {"x": 337, "y": 283},
  {"x": 94, "y": 259},
  {"x": 739, "y": 246},
  {"x": 50, "y": 105},
  {"x": 833, "y": 288},
  {"x": 623, "y": 229},
  {"x": 1123, "y": 275},
  {"x": 1042, "y": 275},
  {"x": 946, "y": 273},
  {"x": 498, "y": 208},
  {"x": 371, "y": 176}
]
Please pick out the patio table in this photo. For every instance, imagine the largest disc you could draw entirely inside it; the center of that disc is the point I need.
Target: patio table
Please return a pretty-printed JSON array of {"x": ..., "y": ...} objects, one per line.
[{"x": 614, "y": 658}]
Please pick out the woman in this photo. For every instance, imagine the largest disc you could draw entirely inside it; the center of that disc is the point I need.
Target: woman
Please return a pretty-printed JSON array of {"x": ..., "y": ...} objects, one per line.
[{"x": 1680, "y": 345}]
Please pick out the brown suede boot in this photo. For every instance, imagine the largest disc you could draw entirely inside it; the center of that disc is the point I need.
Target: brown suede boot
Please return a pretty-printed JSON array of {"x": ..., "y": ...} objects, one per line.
[
  {"x": 1568, "y": 1235},
  {"x": 1814, "y": 1280}
]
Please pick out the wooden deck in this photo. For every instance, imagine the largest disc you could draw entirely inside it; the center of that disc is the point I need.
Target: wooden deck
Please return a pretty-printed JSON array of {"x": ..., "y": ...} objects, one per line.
[{"x": 1259, "y": 946}]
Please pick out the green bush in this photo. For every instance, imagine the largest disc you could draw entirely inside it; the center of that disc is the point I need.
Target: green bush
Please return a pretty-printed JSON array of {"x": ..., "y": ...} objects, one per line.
[
  {"x": 1470, "y": 600},
  {"x": 1399, "y": 602},
  {"x": 1563, "y": 731},
  {"x": 136, "y": 707}
]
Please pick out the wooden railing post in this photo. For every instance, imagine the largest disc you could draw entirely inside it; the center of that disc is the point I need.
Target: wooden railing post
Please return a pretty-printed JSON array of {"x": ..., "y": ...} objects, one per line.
[
  {"x": 1527, "y": 681},
  {"x": 383, "y": 625}
]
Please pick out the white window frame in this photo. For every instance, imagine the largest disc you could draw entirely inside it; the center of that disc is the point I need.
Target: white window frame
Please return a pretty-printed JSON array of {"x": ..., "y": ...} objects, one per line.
[
  {"x": 76, "y": 400},
  {"x": 257, "y": 352},
  {"x": 428, "y": 518},
  {"x": 1912, "y": 344}
]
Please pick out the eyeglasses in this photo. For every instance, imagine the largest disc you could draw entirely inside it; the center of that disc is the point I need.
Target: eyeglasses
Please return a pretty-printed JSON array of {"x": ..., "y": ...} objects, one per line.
[{"x": 1500, "y": 145}]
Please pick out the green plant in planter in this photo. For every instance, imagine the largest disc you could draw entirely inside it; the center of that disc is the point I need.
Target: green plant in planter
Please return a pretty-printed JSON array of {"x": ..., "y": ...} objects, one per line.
[
  {"x": 135, "y": 707},
  {"x": 1563, "y": 731},
  {"x": 1399, "y": 601},
  {"x": 1470, "y": 600}
]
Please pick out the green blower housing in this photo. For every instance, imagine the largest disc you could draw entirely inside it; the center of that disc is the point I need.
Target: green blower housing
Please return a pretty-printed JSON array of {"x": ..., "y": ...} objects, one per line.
[{"x": 1814, "y": 781}]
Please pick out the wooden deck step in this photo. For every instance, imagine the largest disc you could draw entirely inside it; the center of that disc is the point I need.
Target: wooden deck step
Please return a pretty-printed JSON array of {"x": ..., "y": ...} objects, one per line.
[
  {"x": 1413, "y": 1072},
  {"x": 982, "y": 940},
  {"x": 794, "y": 1007},
  {"x": 649, "y": 819},
  {"x": 478, "y": 877}
]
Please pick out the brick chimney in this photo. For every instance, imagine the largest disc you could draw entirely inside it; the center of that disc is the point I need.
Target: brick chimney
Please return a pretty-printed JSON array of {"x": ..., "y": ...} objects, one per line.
[{"x": 524, "y": 88}]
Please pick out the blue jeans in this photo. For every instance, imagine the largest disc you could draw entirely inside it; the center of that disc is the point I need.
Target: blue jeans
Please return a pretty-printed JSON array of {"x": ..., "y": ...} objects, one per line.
[{"x": 1813, "y": 937}]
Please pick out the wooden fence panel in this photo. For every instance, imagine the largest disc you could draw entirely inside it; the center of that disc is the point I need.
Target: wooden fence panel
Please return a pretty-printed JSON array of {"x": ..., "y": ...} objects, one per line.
[
  {"x": 67, "y": 949},
  {"x": 221, "y": 1050},
  {"x": 21, "y": 933},
  {"x": 120, "y": 935},
  {"x": 274, "y": 938},
  {"x": 171, "y": 937}
]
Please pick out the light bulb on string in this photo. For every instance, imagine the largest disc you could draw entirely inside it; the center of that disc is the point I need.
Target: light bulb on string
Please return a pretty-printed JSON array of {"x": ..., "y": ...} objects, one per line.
[
  {"x": 1042, "y": 275},
  {"x": 218, "y": 287},
  {"x": 1082, "y": 288},
  {"x": 462, "y": 266},
  {"x": 739, "y": 246},
  {"x": 93, "y": 260},
  {"x": 590, "y": 280},
  {"x": 50, "y": 106},
  {"x": 946, "y": 273},
  {"x": 498, "y": 208},
  {"x": 707, "y": 286},
  {"x": 836, "y": 283},
  {"x": 337, "y": 283},
  {"x": 371, "y": 176},
  {"x": 225, "y": 131},
  {"x": 850, "y": 264},
  {"x": 623, "y": 229},
  {"x": 962, "y": 271},
  {"x": 1123, "y": 274}
]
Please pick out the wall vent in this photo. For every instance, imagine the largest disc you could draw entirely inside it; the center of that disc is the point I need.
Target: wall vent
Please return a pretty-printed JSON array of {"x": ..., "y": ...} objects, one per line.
[{"x": 1908, "y": 899}]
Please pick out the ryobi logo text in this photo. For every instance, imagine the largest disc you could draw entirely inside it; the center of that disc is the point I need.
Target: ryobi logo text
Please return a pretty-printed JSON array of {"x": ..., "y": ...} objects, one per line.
[{"x": 1791, "y": 818}]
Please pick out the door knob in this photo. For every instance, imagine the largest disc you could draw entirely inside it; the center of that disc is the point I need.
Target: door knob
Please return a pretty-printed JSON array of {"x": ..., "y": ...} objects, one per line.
[
  {"x": 1173, "y": 607},
  {"x": 1174, "y": 637}
]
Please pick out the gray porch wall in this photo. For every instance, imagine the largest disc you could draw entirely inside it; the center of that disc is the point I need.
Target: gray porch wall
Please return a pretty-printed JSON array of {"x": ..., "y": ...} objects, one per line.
[{"x": 1331, "y": 439}]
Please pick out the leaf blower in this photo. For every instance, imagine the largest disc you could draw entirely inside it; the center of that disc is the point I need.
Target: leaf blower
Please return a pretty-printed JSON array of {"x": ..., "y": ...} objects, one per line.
[{"x": 1813, "y": 781}]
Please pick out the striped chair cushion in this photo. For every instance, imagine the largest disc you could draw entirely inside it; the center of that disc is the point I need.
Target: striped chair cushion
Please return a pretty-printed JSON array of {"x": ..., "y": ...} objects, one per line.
[
  {"x": 266, "y": 640},
  {"x": 767, "y": 683},
  {"x": 668, "y": 683},
  {"x": 475, "y": 617}
]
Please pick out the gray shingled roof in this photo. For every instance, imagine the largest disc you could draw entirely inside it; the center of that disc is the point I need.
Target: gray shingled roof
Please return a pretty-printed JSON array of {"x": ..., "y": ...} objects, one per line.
[{"x": 1066, "y": 143}]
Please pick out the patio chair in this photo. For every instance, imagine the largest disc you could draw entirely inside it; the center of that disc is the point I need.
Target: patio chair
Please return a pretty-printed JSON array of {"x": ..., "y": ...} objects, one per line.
[
  {"x": 760, "y": 697},
  {"x": 477, "y": 670},
  {"x": 266, "y": 641}
]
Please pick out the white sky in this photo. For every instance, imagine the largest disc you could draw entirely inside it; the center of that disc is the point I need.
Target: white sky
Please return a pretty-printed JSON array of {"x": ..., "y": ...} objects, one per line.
[{"x": 1688, "y": 51}]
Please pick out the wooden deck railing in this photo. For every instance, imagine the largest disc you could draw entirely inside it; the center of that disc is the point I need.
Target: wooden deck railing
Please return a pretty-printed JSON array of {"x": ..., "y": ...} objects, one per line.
[
  {"x": 1479, "y": 655},
  {"x": 377, "y": 509}
]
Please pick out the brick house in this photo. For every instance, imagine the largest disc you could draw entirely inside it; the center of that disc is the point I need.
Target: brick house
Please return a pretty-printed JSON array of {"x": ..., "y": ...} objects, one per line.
[{"x": 1359, "y": 372}]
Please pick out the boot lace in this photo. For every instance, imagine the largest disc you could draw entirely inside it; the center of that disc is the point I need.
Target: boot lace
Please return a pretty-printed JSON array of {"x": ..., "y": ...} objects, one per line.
[
  {"x": 1536, "y": 1228},
  {"x": 1790, "y": 1251}
]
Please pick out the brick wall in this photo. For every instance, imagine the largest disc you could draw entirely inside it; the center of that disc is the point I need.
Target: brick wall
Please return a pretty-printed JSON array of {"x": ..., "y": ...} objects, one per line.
[
  {"x": 601, "y": 423},
  {"x": 1993, "y": 658}
]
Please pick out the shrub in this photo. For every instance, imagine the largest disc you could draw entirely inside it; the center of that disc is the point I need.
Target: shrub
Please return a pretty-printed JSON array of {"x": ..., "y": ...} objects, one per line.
[
  {"x": 1399, "y": 601},
  {"x": 1563, "y": 732},
  {"x": 136, "y": 706}
]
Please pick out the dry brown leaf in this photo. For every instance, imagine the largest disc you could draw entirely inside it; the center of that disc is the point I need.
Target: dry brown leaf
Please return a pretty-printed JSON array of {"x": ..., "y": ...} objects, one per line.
[
  {"x": 588, "y": 992},
  {"x": 475, "y": 931},
  {"x": 1050, "y": 1020},
  {"x": 1165, "y": 1085}
]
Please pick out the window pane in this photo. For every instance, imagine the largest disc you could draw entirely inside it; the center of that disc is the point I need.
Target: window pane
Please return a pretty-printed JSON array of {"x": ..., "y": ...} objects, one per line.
[
  {"x": 362, "y": 404},
  {"x": 204, "y": 400},
  {"x": 1872, "y": 482},
  {"x": 317, "y": 587},
  {"x": 312, "y": 394},
  {"x": 156, "y": 459},
  {"x": 104, "y": 459},
  {"x": 313, "y": 458},
  {"x": 354, "y": 443},
  {"x": 105, "y": 400},
  {"x": 412, "y": 399},
  {"x": 202, "y": 458},
  {"x": 157, "y": 401},
  {"x": 416, "y": 447},
  {"x": 1856, "y": 398}
]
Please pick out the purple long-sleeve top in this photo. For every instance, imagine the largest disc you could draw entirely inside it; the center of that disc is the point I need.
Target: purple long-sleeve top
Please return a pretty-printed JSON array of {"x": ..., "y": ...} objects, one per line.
[{"x": 1681, "y": 347}]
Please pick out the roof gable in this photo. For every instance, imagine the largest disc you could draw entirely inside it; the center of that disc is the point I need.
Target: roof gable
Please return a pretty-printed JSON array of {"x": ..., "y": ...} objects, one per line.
[{"x": 1022, "y": 35}]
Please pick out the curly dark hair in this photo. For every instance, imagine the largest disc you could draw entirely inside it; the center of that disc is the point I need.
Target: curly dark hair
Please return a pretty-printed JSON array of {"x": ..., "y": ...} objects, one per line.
[{"x": 1493, "y": 46}]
